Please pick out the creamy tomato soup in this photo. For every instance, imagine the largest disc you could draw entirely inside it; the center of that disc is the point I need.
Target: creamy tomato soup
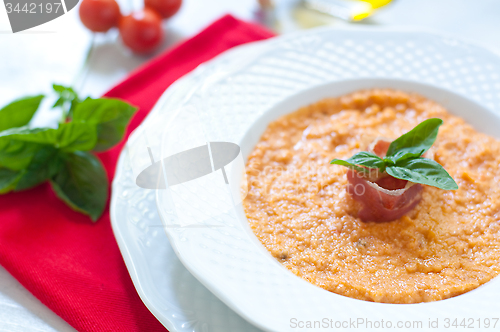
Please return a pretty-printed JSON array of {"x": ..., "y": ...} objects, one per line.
[{"x": 300, "y": 210}]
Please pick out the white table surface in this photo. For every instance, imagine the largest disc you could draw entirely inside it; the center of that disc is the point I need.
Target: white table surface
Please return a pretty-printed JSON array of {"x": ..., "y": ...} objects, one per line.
[{"x": 54, "y": 52}]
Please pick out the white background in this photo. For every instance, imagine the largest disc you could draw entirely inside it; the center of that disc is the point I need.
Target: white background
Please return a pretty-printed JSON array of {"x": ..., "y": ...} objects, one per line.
[{"x": 31, "y": 61}]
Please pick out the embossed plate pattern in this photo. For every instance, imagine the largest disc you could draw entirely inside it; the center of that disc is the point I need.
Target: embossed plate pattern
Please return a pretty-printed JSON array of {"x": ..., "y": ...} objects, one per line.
[{"x": 231, "y": 93}]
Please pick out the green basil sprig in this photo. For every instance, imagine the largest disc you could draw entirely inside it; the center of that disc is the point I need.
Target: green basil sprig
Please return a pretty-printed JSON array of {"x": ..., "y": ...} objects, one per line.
[
  {"x": 63, "y": 155},
  {"x": 404, "y": 158}
]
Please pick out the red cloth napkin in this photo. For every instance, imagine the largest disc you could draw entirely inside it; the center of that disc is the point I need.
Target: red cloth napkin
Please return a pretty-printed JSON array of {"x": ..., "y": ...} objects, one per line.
[{"x": 72, "y": 265}]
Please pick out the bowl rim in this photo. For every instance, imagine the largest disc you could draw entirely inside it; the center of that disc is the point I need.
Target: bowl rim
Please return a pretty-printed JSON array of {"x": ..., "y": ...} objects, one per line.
[{"x": 442, "y": 96}]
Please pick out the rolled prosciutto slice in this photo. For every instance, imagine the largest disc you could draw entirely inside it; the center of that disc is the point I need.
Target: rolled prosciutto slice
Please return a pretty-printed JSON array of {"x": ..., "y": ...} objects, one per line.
[{"x": 383, "y": 198}]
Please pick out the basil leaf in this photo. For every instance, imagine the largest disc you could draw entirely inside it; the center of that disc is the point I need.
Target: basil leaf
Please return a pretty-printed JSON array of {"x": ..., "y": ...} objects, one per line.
[
  {"x": 367, "y": 159},
  {"x": 111, "y": 117},
  {"x": 68, "y": 99},
  {"x": 19, "y": 112},
  {"x": 424, "y": 171},
  {"x": 415, "y": 142},
  {"x": 392, "y": 160},
  {"x": 25, "y": 134},
  {"x": 41, "y": 164},
  {"x": 44, "y": 165},
  {"x": 8, "y": 179},
  {"x": 349, "y": 165},
  {"x": 363, "y": 158},
  {"x": 82, "y": 184},
  {"x": 17, "y": 155},
  {"x": 19, "y": 145},
  {"x": 69, "y": 136},
  {"x": 65, "y": 93},
  {"x": 73, "y": 136}
]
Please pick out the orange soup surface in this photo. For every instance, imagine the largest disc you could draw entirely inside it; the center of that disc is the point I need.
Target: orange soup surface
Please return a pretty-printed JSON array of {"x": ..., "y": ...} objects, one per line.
[{"x": 299, "y": 209}]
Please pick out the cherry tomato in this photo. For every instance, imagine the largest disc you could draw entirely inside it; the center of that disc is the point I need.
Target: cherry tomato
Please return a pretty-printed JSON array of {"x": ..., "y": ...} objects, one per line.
[
  {"x": 141, "y": 31},
  {"x": 166, "y": 8},
  {"x": 99, "y": 15}
]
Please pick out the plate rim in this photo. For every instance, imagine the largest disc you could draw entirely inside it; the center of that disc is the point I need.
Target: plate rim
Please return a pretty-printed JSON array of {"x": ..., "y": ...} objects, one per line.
[
  {"x": 118, "y": 232},
  {"x": 122, "y": 243}
]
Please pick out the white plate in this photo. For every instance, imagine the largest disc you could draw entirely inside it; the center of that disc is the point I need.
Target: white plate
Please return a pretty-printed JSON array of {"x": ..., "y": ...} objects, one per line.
[{"x": 237, "y": 95}]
